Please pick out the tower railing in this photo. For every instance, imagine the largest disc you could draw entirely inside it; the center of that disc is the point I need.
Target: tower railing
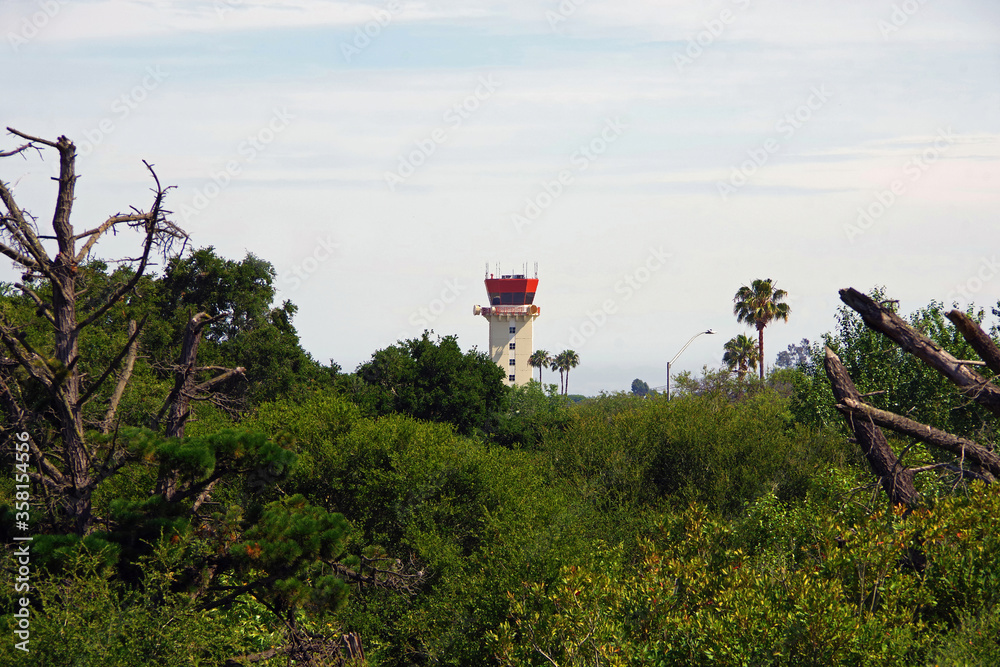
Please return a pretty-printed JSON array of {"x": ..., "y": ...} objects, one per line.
[{"x": 510, "y": 310}]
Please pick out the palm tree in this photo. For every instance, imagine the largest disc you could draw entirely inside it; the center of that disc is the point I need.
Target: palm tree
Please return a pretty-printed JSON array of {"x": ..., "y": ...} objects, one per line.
[
  {"x": 565, "y": 361},
  {"x": 741, "y": 353},
  {"x": 758, "y": 305},
  {"x": 558, "y": 363},
  {"x": 539, "y": 359}
]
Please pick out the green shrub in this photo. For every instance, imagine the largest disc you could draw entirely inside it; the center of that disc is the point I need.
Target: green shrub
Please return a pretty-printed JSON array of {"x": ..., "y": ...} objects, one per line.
[
  {"x": 804, "y": 583},
  {"x": 621, "y": 451},
  {"x": 83, "y": 616}
]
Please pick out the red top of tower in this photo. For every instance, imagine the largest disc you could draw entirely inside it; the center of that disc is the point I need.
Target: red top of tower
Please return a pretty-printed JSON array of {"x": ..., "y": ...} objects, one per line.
[{"x": 511, "y": 290}]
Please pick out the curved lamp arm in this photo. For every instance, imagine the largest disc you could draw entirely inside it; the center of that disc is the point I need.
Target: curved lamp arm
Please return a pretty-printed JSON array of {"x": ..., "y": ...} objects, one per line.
[{"x": 707, "y": 331}]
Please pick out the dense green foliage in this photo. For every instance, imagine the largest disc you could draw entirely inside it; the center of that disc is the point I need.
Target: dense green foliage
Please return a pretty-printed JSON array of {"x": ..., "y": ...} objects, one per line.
[
  {"x": 86, "y": 615},
  {"x": 146, "y": 490},
  {"x": 784, "y": 585},
  {"x": 435, "y": 381},
  {"x": 250, "y": 333},
  {"x": 448, "y": 520},
  {"x": 528, "y": 415}
]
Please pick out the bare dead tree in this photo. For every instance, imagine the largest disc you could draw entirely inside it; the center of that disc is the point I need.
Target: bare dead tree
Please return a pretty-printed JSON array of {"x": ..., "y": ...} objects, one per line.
[
  {"x": 72, "y": 468},
  {"x": 177, "y": 406},
  {"x": 71, "y": 465},
  {"x": 975, "y": 460}
]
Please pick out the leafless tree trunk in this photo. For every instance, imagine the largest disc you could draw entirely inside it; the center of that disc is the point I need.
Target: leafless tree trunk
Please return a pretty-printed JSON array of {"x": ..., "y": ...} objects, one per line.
[
  {"x": 896, "y": 478},
  {"x": 178, "y": 404},
  {"x": 80, "y": 472},
  {"x": 129, "y": 353},
  {"x": 962, "y": 447},
  {"x": 977, "y": 339},
  {"x": 882, "y": 319}
]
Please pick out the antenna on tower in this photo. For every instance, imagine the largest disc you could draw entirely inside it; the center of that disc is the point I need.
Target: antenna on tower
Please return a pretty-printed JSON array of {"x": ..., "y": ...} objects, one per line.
[
  {"x": 487, "y": 269},
  {"x": 536, "y": 270}
]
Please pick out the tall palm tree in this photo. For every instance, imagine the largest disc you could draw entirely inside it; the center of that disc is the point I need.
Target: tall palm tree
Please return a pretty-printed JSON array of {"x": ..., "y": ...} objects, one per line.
[
  {"x": 758, "y": 304},
  {"x": 539, "y": 359},
  {"x": 558, "y": 363},
  {"x": 741, "y": 353},
  {"x": 566, "y": 360}
]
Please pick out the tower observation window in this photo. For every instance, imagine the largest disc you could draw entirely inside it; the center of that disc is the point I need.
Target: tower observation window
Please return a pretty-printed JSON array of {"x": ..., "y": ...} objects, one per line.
[{"x": 511, "y": 298}]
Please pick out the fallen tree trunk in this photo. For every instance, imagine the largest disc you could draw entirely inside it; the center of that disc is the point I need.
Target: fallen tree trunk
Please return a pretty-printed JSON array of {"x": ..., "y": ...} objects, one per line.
[
  {"x": 896, "y": 479},
  {"x": 977, "y": 339},
  {"x": 967, "y": 449},
  {"x": 885, "y": 321}
]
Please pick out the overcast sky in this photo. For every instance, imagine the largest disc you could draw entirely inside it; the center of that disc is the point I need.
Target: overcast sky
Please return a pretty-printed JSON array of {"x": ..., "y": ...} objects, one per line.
[{"x": 651, "y": 157}]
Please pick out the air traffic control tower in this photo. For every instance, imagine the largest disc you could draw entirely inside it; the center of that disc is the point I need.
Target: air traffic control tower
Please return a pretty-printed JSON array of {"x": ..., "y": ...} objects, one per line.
[{"x": 511, "y": 314}]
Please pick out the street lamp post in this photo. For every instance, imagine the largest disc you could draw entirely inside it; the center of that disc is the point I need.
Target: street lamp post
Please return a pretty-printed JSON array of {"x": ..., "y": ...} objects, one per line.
[{"x": 707, "y": 331}]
